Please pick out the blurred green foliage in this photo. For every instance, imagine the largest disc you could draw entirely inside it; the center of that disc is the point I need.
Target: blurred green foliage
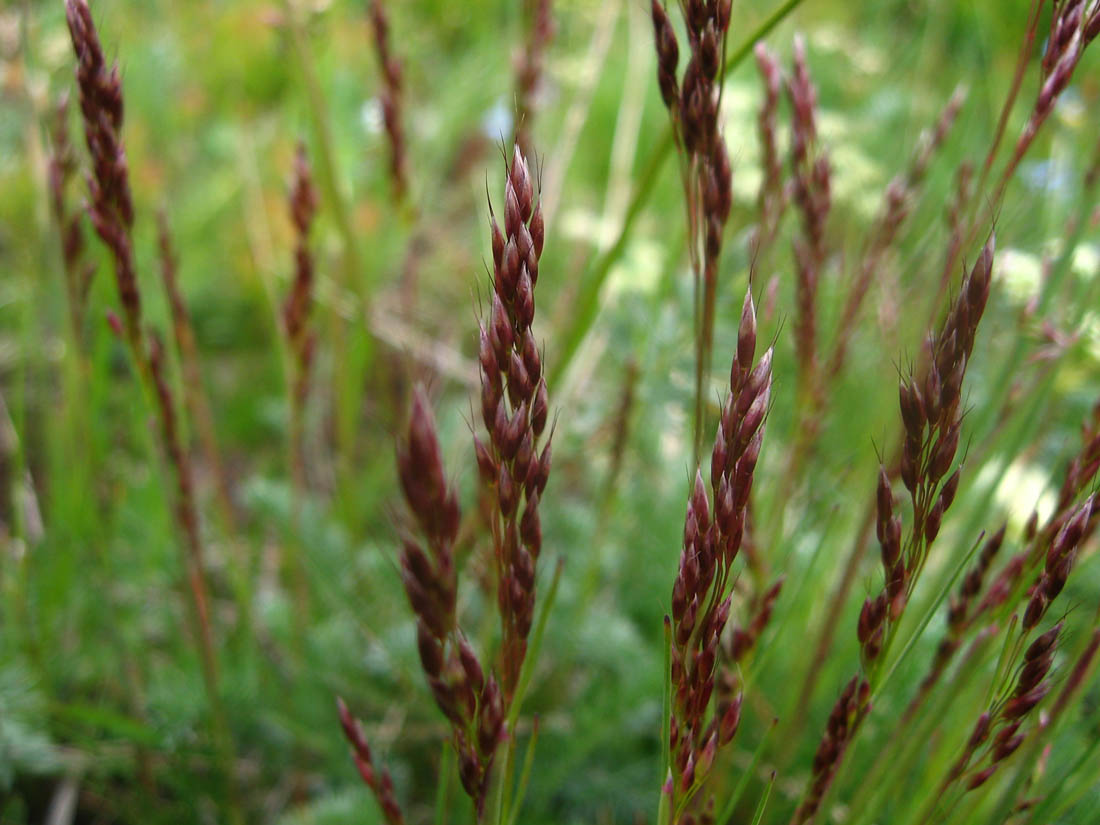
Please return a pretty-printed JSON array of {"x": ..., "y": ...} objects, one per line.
[{"x": 97, "y": 678}]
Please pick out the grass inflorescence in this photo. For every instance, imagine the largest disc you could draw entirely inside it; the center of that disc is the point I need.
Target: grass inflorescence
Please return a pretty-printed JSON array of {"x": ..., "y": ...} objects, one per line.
[{"x": 870, "y": 597}]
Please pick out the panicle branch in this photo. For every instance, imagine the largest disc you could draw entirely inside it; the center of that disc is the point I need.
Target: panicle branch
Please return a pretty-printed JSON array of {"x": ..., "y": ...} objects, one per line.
[
  {"x": 377, "y": 779},
  {"x": 298, "y": 305},
  {"x": 811, "y": 194},
  {"x": 392, "y": 97},
  {"x": 194, "y": 398},
  {"x": 78, "y": 272},
  {"x": 772, "y": 199},
  {"x": 530, "y": 66}
]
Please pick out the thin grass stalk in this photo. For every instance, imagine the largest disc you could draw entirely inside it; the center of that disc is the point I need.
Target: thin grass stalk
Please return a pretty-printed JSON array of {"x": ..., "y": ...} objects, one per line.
[
  {"x": 525, "y": 773},
  {"x": 746, "y": 776},
  {"x": 762, "y": 805},
  {"x": 851, "y": 564},
  {"x": 195, "y": 399},
  {"x": 587, "y": 303},
  {"x": 187, "y": 519},
  {"x": 358, "y": 361},
  {"x": 79, "y": 273},
  {"x": 694, "y": 104},
  {"x": 112, "y": 214},
  {"x": 530, "y": 59}
]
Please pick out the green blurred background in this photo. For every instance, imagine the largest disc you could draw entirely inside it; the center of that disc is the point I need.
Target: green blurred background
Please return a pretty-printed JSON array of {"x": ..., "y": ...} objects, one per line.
[{"x": 96, "y": 675}]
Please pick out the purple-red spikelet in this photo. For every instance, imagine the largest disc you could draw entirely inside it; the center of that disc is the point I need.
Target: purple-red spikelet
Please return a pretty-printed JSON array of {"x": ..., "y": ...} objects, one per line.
[
  {"x": 714, "y": 528},
  {"x": 515, "y": 462},
  {"x": 391, "y": 96},
  {"x": 377, "y": 779},
  {"x": 110, "y": 207}
]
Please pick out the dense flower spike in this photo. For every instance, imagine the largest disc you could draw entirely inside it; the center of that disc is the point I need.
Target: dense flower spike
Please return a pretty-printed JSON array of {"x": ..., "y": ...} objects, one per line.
[
  {"x": 1074, "y": 25},
  {"x": 514, "y": 465},
  {"x": 530, "y": 66},
  {"x": 391, "y": 96},
  {"x": 111, "y": 207},
  {"x": 470, "y": 701},
  {"x": 516, "y": 460},
  {"x": 701, "y": 599},
  {"x": 78, "y": 272},
  {"x": 931, "y": 417}
]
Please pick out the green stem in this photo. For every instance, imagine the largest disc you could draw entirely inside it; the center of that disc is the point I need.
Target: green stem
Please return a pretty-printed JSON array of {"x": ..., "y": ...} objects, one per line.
[
  {"x": 353, "y": 280},
  {"x": 443, "y": 784},
  {"x": 664, "y": 802},
  {"x": 587, "y": 302},
  {"x": 525, "y": 774},
  {"x": 763, "y": 804},
  {"x": 742, "y": 784}
]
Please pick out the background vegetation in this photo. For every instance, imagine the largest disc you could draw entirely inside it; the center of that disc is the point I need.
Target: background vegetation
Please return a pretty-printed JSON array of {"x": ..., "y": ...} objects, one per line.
[{"x": 101, "y": 696}]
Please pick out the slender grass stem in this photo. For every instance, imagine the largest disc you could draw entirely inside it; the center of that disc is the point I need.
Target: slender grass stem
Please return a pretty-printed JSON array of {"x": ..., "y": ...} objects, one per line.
[{"x": 587, "y": 302}]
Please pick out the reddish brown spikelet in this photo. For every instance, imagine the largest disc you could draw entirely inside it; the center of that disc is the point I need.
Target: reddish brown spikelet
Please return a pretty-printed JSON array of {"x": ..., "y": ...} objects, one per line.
[
  {"x": 1060, "y": 556},
  {"x": 743, "y": 640},
  {"x": 701, "y": 599},
  {"x": 850, "y": 709},
  {"x": 668, "y": 55},
  {"x": 378, "y": 780},
  {"x": 470, "y": 699},
  {"x": 515, "y": 409},
  {"x": 392, "y": 97},
  {"x": 111, "y": 207}
]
